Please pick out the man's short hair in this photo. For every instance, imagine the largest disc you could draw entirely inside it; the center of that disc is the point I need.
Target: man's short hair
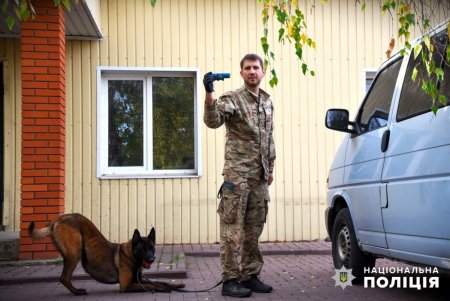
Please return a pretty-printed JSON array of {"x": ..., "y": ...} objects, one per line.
[{"x": 252, "y": 57}]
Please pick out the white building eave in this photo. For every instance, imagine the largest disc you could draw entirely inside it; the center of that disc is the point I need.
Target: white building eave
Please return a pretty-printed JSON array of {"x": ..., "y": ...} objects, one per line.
[{"x": 82, "y": 21}]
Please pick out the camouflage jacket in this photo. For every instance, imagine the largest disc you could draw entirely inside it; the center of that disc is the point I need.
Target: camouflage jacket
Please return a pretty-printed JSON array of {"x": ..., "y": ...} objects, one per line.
[{"x": 249, "y": 148}]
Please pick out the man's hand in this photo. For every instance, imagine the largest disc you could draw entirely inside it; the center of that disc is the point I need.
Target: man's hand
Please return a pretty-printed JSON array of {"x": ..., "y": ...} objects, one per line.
[
  {"x": 208, "y": 82},
  {"x": 270, "y": 179}
]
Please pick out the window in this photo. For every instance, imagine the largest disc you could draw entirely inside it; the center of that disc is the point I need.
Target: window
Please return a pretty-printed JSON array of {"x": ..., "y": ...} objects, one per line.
[
  {"x": 148, "y": 123},
  {"x": 413, "y": 99},
  {"x": 445, "y": 85},
  {"x": 375, "y": 111},
  {"x": 368, "y": 76}
]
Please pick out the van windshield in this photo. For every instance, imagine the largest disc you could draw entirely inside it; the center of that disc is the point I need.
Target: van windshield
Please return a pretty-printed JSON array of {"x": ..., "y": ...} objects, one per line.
[{"x": 375, "y": 111}]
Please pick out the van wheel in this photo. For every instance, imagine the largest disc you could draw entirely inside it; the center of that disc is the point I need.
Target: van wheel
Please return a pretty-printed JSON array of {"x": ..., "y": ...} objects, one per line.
[{"x": 345, "y": 249}]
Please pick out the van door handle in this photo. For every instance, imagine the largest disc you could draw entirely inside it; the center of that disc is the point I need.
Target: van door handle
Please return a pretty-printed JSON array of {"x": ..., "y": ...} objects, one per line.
[{"x": 385, "y": 141}]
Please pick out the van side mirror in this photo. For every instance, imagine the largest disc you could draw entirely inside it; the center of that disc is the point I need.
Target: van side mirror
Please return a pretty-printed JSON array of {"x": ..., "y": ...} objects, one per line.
[{"x": 337, "y": 119}]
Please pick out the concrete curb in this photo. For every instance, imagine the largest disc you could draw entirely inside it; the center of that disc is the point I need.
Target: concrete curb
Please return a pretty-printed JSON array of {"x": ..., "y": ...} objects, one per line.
[{"x": 20, "y": 263}]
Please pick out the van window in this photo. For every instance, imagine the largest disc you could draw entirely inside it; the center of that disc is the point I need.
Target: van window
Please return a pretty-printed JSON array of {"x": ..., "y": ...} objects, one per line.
[
  {"x": 413, "y": 99},
  {"x": 445, "y": 86},
  {"x": 375, "y": 111}
]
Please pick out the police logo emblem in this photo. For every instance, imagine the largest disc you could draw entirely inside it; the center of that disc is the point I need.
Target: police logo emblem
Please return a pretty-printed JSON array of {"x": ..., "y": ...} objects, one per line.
[{"x": 343, "y": 277}]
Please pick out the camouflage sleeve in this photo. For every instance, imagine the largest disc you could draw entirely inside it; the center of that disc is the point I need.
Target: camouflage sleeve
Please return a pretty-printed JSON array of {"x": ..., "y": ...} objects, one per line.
[
  {"x": 272, "y": 152},
  {"x": 215, "y": 115}
]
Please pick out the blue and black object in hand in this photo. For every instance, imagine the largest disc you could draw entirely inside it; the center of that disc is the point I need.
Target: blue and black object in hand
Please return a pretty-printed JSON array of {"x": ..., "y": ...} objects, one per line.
[
  {"x": 209, "y": 78},
  {"x": 220, "y": 76}
]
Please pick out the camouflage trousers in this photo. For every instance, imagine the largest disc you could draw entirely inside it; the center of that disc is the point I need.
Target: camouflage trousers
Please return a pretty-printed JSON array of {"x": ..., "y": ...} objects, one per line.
[{"x": 242, "y": 211}]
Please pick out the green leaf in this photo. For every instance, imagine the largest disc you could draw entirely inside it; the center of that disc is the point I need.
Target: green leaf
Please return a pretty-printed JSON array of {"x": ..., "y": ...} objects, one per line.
[
  {"x": 304, "y": 68},
  {"x": 264, "y": 44},
  {"x": 434, "y": 93},
  {"x": 312, "y": 73},
  {"x": 10, "y": 21},
  {"x": 414, "y": 74},
  {"x": 428, "y": 67},
  {"x": 281, "y": 16},
  {"x": 427, "y": 41},
  {"x": 411, "y": 18},
  {"x": 393, "y": 4},
  {"x": 273, "y": 81},
  {"x": 363, "y": 6},
  {"x": 440, "y": 73},
  {"x": 417, "y": 50},
  {"x": 26, "y": 14},
  {"x": 425, "y": 23},
  {"x": 443, "y": 99},
  {"x": 280, "y": 34},
  {"x": 427, "y": 87},
  {"x": 434, "y": 108},
  {"x": 66, "y": 4},
  {"x": 265, "y": 12},
  {"x": 153, "y": 2},
  {"x": 23, "y": 6},
  {"x": 424, "y": 56},
  {"x": 408, "y": 45},
  {"x": 299, "y": 52}
]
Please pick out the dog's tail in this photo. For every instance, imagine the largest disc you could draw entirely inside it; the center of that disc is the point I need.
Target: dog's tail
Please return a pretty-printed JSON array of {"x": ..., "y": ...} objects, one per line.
[{"x": 38, "y": 233}]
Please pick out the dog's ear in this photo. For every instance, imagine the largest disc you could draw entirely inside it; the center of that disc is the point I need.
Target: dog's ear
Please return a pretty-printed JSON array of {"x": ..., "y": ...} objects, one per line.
[
  {"x": 136, "y": 236},
  {"x": 152, "y": 235}
]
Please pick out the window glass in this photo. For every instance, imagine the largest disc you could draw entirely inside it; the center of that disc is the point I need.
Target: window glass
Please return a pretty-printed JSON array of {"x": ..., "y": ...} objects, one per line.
[
  {"x": 173, "y": 123},
  {"x": 375, "y": 111},
  {"x": 125, "y": 124},
  {"x": 445, "y": 85},
  {"x": 413, "y": 99}
]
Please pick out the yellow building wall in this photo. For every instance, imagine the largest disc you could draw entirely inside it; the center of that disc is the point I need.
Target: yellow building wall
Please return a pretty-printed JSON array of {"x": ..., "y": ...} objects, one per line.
[
  {"x": 9, "y": 49},
  {"x": 212, "y": 36}
]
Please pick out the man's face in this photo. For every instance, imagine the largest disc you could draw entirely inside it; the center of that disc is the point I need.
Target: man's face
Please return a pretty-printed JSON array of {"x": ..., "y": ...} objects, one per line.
[{"x": 252, "y": 73}]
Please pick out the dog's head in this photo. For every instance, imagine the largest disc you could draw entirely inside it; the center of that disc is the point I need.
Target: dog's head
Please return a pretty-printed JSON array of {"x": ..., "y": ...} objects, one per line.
[{"x": 143, "y": 248}]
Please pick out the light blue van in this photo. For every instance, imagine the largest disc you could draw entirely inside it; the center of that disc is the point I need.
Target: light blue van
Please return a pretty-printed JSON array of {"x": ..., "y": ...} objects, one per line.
[{"x": 389, "y": 184}]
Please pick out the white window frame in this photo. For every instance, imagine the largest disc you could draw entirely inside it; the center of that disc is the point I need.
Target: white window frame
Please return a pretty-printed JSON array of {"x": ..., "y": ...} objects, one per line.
[
  {"x": 105, "y": 73},
  {"x": 368, "y": 74}
]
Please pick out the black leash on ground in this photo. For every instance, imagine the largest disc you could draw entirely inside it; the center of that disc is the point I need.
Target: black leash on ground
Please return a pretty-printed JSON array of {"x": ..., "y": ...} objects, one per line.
[
  {"x": 168, "y": 288},
  {"x": 180, "y": 290}
]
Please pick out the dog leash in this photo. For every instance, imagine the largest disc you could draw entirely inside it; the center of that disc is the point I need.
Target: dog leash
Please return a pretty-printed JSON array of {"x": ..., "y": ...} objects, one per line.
[{"x": 179, "y": 290}]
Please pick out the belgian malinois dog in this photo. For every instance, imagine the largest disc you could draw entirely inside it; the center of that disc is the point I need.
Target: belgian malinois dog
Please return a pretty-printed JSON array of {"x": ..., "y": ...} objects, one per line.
[{"x": 76, "y": 237}]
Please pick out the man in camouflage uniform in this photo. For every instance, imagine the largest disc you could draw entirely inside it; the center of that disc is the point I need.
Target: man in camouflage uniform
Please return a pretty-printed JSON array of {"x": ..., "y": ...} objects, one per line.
[{"x": 249, "y": 162}]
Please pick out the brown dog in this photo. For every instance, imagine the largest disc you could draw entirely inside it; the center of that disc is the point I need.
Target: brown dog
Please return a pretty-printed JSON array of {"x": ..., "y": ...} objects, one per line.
[{"x": 76, "y": 237}]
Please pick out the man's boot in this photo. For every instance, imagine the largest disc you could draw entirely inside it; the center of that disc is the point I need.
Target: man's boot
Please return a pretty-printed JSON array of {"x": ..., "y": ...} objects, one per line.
[
  {"x": 256, "y": 285},
  {"x": 233, "y": 288}
]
